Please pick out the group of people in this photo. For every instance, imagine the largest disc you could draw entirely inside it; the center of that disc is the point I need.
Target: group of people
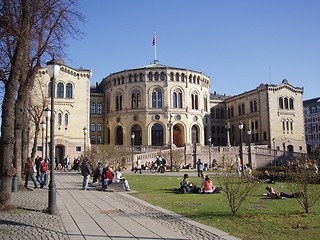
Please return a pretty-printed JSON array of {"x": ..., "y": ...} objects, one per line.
[
  {"x": 104, "y": 175},
  {"x": 206, "y": 185},
  {"x": 39, "y": 166}
]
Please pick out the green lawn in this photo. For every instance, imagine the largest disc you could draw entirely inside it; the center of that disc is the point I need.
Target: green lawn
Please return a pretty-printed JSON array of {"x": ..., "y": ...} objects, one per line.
[{"x": 258, "y": 218}]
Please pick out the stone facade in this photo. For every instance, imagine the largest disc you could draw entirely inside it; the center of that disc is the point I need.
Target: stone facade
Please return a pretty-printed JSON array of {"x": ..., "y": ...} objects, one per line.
[
  {"x": 312, "y": 123},
  {"x": 72, "y": 100},
  {"x": 274, "y": 113},
  {"x": 164, "y": 105}
]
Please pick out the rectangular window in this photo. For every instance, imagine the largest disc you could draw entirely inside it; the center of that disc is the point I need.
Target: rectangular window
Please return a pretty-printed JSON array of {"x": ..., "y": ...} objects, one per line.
[
  {"x": 93, "y": 108},
  {"x": 264, "y": 135},
  {"x": 99, "y": 127},
  {"x": 78, "y": 149},
  {"x": 93, "y": 127},
  {"x": 99, "y": 110},
  {"x": 99, "y": 139},
  {"x": 93, "y": 139},
  {"x": 39, "y": 148}
]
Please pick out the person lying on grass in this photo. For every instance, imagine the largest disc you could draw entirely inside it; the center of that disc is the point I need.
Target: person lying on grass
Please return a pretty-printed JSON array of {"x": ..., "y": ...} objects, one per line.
[{"x": 274, "y": 194}]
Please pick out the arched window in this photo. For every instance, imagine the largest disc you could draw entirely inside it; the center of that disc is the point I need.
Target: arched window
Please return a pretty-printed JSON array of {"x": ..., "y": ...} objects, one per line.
[
  {"x": 119, "y": 102},
  {"x": 252, "y": 125},
  {"x": 150, "y": 76},
  {"x": 59, "y": 119},
  {"x": 49, "y": 89},
  {"x": 157, "y": 135},
  {"x": 222, "y": 113},
  {"x": 66, "y": 119},
  {"x": 291, "y": 103},
  {"x": 280, "y": 102},
  {"x": 69, "y": 90},
  {"x": 256, "y": 124},
  {"x": 182, "y": 77},
  {"x": 156, "y": 98},
  {"x": 130, "y": 78},
  {"x": 99, "y": 110},
  {"x": 177, "y": 77},
  {"x": 141, "y": 78},
  {"x": 251, "y": 106},
  {"x": 286, "y": 104},
  {"x": 60, "y": 90},
  {"x": 194, "y": 101},
  {"x": 283, "y": 125},
  {"x": 231, "y": 111},
  {"x": 177, "y": 98},
  {"x": 162, "y": 76},
  {"x": 135, "y": 100},
  {"x": 171, "y": 76},
  {"x": 93, "y": 108},
  {"x": 156, "y": 76},
  {"x": 194, "y": 134},
  {"x": 136, "y": 78},
  {"x": 255, "y": 106}
]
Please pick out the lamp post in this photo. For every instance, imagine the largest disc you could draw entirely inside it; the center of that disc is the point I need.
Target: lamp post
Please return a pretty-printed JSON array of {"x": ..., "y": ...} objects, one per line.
[
  {"x": 274, "y": 151},
  {"x": 43, "y": 126},
  {"x": 240, "y": 125},
  {"x": 170, "y": 140},
  {"x": 53, "y": 70},
  {"x": 85, "y": 131},
  {"x": 47, "y": 113},
  {"x": 209, "y": 139},
  {"x": 228, "y": 133},
  {"x": 132, "y": 144},
  {"x": 249, "y": 151}
]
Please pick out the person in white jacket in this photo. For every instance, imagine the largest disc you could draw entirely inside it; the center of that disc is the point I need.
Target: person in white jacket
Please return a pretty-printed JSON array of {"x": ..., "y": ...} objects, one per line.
[{"x": 118, "y": 178}]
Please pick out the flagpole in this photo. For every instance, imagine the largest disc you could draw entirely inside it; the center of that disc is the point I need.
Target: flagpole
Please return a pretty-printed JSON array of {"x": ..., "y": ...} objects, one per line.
[{"x": 154, "y": 43}]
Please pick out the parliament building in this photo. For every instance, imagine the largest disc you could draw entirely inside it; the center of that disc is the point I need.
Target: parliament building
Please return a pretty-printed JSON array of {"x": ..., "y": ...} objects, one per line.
[{"x": 158, "y": 105}]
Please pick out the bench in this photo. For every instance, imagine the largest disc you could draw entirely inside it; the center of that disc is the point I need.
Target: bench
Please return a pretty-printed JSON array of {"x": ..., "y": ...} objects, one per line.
[{"x": 116, "y": 187}]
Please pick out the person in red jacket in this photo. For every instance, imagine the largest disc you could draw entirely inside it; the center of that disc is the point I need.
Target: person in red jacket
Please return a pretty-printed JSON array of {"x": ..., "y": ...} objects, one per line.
[{"x": 107, "y": 178}]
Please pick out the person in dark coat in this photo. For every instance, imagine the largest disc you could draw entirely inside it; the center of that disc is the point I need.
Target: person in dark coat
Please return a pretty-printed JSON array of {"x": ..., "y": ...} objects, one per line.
[
  {"x": 98, "y": 173},
  {"x": 86, "y": 172}
]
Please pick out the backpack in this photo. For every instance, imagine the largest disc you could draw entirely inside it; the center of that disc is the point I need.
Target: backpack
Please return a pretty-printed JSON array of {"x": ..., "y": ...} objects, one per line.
[{"x": 43, "y": 167}]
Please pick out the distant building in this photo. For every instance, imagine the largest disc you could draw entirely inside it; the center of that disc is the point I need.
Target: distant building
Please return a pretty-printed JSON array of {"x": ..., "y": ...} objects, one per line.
[
  {"x": 163, "y": 105},
  {"x": 312, "y": 123}
]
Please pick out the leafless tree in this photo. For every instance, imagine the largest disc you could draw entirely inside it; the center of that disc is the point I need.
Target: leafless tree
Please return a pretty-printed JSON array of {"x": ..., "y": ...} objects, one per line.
[{"x": 29, "y": 31}]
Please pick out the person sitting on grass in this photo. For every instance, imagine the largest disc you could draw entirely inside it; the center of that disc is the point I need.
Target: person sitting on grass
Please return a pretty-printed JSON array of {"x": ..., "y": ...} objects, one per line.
[
  {"x": 208, "y": 185},
  {"x": 185, "y": 184},
  {"x": 274, "y": 194}
]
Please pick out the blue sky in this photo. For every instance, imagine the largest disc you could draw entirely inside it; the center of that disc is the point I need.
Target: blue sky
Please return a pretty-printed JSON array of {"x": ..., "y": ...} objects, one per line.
[{"x": 238, "y": 43}]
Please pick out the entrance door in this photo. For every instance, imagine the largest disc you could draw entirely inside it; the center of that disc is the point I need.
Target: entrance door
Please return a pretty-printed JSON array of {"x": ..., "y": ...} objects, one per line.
[
  {"x": 59, "y": 153},
  {"x": 178, "y": 136}
]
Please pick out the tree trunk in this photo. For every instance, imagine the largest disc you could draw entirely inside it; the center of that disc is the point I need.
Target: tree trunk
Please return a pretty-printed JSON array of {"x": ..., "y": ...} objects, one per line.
[{"x": 8, "y": 112}]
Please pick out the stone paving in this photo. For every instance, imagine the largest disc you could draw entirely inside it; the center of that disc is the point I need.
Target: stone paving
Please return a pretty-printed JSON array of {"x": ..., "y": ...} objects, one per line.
[{"x": 29, "y": 222}]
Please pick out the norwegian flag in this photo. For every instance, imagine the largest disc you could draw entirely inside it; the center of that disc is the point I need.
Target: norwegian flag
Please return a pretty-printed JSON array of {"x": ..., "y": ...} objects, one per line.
[{"x": 154, "y": 41}]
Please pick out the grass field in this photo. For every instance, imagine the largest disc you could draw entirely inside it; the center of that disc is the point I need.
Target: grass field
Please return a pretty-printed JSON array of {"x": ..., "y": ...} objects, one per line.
[{"x": 258, "y": 218}]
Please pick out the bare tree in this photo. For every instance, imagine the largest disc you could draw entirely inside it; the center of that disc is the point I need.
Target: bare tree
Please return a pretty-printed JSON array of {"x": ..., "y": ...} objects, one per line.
[
  {"x": 303, "y": 185},
  {"x": 237, "y": 188},
  {"x": 29, "y": 30}
]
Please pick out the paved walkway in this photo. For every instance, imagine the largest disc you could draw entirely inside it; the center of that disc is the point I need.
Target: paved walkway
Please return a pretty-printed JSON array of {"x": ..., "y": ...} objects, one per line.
[{"x": 95, "y": 214}]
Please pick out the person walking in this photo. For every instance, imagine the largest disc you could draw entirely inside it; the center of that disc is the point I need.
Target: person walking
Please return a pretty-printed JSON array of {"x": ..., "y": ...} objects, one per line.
[
  {"x": 86, "y": 172},
  {"x": 199, "y": 167},
  {"x": 43, "y": 172},
  {"x": 29, "y": 171},
  {"x": 139, "y": 167}
]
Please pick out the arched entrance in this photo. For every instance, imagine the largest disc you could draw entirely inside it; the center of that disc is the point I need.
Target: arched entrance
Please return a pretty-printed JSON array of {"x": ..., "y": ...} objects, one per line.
[
  {"x": 194, "y": 134},
  {"x": 178, "y": 136},
  {"x": 136, "y": 129},
  {"x": 119, "y": 136},
  {"x": 59, "y": 153},
  {"x": 157, "y": 135}
]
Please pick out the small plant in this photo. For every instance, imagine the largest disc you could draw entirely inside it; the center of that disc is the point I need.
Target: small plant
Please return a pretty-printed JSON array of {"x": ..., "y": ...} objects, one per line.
[
  {"x": 237, "y": 188},
  {"x": 302, "y": 183}
]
